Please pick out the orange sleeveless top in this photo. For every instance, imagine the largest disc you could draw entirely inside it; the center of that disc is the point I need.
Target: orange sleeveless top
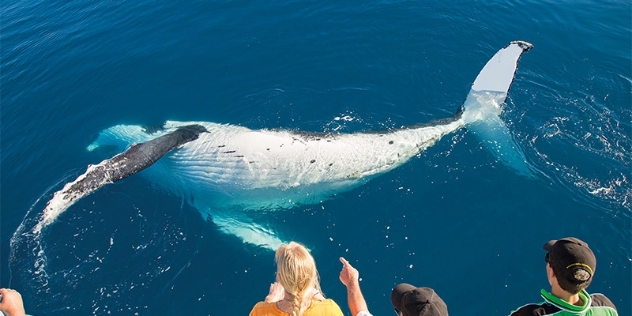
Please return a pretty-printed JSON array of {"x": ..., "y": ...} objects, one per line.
[{"x": 325, "y": 307}]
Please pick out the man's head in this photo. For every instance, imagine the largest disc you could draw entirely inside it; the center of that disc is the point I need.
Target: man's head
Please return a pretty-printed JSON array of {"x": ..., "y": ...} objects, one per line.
[
  {"x": 417, "y": 301},
  {"x": 572, "y": 262}
]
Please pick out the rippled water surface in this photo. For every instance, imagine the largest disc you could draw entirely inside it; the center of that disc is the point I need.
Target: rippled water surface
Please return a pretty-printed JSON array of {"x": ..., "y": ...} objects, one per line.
[{"x": 453, "y": 218}]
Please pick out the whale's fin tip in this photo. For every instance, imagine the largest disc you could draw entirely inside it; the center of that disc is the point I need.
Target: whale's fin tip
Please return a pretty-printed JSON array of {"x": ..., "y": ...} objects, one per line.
[{"x": 526, "y": 46}]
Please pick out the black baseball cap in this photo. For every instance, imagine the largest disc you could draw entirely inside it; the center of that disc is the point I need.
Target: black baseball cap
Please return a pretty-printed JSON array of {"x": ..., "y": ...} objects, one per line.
[
  {"x": 570, "y": 255},
  {"x": 417, "y": 301}
]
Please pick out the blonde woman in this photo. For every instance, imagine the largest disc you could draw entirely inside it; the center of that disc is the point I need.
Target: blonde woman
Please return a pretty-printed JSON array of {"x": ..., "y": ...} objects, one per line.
[{"x": 297, "y": 290}]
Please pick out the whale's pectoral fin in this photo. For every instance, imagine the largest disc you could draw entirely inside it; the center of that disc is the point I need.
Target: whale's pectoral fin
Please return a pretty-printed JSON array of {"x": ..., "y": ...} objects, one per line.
[
  {"x": 133, "y": 160},
  {"x": 140, "y": 156},
  {"x": 249, "y": 232},
  {"x": 484, "y": 104}
]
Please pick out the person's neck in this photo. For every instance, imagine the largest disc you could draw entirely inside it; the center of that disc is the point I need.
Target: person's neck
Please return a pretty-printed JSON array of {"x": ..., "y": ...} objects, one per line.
[
  {"x": 286, "y": 304},
  {"x": 573, "y": 299}
]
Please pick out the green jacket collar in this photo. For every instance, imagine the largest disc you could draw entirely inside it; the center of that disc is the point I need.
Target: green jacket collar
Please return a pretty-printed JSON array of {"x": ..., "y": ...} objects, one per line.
[{"x": 564, "y": 305}]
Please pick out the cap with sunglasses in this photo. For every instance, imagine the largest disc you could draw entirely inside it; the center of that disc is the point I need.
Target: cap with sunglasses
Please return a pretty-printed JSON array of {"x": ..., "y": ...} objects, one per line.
[
  {"x": 417, "y": 301},
  {"x": 569, "y": 255}
]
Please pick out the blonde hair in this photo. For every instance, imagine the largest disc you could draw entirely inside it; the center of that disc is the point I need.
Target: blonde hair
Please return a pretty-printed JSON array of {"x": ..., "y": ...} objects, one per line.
[{"x": 296, "y": 271}]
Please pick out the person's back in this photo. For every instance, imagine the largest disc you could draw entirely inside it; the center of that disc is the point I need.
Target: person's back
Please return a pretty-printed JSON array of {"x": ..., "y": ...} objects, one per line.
[
  {"x": 325, "y": 307},
  {"x": 570, "y": 269},
  {"x": 594, "y": 305}
]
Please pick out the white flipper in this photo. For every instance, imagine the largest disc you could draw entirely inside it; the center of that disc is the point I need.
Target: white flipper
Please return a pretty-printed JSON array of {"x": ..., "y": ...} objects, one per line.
[
  {"x": 500, "y": 70},
  {"x": 247, "y": 231},
  {"x": 483, "y": 107}
]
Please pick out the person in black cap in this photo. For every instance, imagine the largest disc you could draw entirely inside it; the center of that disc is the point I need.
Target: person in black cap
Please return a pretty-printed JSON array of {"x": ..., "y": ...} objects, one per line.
[
  {"x": 408, "y": 300},
  {"x": 417, "y": 301},
  {"x": 570, "y": 267}
]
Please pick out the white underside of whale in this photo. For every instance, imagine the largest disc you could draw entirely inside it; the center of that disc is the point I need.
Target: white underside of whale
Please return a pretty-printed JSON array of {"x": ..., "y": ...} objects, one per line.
[{"x": 242, "y": 167}]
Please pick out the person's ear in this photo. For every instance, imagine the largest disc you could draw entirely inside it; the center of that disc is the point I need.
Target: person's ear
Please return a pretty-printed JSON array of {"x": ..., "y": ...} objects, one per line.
[{"x": 549, "y": 271}]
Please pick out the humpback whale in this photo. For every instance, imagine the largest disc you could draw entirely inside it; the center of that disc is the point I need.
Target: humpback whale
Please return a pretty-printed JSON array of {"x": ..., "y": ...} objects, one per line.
[{"x": 227, "y": 171}]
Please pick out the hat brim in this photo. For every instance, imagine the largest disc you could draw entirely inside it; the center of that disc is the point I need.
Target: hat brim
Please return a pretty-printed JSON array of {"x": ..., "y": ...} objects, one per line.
[{"x": 549, "y": 245}]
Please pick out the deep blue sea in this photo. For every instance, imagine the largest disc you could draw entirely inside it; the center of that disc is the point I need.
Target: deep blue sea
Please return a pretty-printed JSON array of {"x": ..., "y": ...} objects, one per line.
[{"x": 453, "y": 218}]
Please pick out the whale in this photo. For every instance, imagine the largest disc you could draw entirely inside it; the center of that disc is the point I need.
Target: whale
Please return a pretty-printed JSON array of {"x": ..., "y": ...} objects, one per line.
[{"x": 229, "y": 171}]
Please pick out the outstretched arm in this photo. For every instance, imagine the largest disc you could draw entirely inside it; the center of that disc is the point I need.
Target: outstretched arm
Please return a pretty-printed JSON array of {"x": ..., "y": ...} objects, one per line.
[{"x": 349, "y": 276}]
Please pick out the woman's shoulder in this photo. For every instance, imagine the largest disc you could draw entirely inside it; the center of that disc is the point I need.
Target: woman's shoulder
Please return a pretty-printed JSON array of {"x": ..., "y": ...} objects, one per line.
[
  {"x": 328, "y": 301},
  {"x": 329, "y": 306}
]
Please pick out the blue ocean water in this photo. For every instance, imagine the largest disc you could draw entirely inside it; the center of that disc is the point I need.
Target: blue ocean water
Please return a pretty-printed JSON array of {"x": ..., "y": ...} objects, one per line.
[{"x": 454, "y": 218}]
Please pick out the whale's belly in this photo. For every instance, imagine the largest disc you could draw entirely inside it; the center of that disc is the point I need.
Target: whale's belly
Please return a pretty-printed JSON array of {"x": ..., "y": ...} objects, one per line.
[{"x": 233, "y": 159}]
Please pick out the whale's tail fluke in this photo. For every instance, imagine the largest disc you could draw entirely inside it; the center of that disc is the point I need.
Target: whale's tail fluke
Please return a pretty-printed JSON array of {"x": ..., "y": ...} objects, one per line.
[{"x": 483, "y": 106}]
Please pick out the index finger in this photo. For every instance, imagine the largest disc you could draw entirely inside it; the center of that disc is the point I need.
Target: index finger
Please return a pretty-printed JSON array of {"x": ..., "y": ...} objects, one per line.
[{"x": 344, "y": 261}]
